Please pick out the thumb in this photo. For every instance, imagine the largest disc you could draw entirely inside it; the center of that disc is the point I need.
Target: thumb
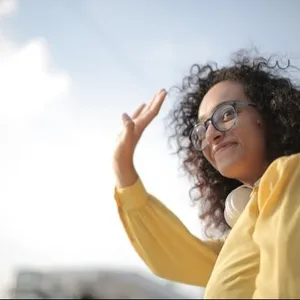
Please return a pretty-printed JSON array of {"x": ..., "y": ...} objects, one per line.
[{"x": 128, "y": 124}]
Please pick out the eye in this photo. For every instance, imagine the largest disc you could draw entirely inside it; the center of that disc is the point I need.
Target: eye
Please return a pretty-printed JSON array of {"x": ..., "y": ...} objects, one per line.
[
  {"x": 228, "y": 115},
  {"x": 225, "y": 114}
]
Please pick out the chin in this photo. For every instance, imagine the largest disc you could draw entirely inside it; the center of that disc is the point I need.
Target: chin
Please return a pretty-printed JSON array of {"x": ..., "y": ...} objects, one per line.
[{"x": 231, "y": 167}]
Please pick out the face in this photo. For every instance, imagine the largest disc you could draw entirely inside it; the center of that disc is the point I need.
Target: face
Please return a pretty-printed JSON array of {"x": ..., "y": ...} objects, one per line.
[{"x": 239, "y": 153}]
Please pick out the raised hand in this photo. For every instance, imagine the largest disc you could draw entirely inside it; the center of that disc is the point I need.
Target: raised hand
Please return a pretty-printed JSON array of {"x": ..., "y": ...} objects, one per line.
[{"x": 133, "y": 128}]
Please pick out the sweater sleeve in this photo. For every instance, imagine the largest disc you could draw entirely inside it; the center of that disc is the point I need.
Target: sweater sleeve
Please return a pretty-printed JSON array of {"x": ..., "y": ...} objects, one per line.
[
  {"x": 162, "y": 241},
  {"x": 277, "y": 231}
]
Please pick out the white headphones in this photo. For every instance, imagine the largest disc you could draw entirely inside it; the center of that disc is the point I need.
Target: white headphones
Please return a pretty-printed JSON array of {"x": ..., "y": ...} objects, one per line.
[{"x": 235, "y": 203}]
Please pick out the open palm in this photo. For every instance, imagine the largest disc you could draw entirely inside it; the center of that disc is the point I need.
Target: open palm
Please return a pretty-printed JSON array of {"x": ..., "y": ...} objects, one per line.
[{"x": 133, "y": 129}]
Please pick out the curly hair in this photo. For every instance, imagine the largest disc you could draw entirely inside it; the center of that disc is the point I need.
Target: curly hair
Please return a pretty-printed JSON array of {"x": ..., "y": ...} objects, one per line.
[{"x": 270, "y": 87}]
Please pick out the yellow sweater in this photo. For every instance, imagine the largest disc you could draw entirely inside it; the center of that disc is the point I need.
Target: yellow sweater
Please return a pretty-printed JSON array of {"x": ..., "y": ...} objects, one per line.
[{"x": 260, "y": 257}]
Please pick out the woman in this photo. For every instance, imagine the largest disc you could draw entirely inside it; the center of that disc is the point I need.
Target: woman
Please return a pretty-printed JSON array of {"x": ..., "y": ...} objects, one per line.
[{"x": 237, "y": 128}]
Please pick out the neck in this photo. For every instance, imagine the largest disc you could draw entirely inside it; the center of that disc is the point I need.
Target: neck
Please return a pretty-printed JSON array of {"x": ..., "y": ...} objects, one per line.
[{"x": 255, "y": 176}]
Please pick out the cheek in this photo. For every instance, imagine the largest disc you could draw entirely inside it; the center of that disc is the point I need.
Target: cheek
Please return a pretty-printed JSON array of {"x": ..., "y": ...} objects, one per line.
[
  {"x": 249, "y": 135},
  {"x": 206, "y": 154},
  {"x": 239, "y": 134},
  {"x": 246, "y": 129}
]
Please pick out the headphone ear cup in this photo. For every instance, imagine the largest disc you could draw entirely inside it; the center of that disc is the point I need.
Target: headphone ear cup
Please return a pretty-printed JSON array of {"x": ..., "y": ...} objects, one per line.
[{"x": 235, "y": 204}]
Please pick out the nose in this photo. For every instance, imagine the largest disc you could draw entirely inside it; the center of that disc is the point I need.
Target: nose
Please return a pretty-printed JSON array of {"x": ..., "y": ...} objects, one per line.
[{"x": 212, "y": 134}]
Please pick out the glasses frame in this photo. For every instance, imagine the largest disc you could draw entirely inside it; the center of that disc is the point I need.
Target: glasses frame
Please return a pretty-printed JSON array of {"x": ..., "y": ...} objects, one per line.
[{"x": 233, "y": 104}]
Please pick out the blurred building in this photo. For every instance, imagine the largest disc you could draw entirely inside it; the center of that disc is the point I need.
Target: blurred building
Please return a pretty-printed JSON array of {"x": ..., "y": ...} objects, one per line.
[{"x": 105, "y": 284}]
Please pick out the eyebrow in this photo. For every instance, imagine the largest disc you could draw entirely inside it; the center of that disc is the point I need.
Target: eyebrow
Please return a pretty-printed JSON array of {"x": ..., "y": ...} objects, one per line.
[{"x": 204, "y": 118}]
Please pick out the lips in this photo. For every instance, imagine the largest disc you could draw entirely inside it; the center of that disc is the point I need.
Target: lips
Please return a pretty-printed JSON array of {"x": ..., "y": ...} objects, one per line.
[{"x": 221, "y": 147}]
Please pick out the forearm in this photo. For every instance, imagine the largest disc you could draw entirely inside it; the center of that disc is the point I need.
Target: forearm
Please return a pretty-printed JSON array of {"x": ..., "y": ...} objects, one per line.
[{"x": 125, "y": 176}]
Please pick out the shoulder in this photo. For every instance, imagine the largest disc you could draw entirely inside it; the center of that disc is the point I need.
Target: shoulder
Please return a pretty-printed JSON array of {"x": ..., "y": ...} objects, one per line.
[
  {"x": 280, "y": 179},
  {"x": 283, "y": 166}
]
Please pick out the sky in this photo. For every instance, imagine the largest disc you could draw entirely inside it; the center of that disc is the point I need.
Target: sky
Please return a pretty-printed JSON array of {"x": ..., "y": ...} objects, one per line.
[{"x": 68, "y": 70}]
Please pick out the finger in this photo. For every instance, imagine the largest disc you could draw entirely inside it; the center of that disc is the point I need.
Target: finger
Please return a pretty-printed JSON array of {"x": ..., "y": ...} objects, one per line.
[
  {"x": 127, "y": 122},
  {"x": 150, "y": 102},
  {"x": 149, "y": 105},
  {"x": 138, "y": 111},
  {"x": 158, "y": 101},
  {"x": 152, "y": 112}
]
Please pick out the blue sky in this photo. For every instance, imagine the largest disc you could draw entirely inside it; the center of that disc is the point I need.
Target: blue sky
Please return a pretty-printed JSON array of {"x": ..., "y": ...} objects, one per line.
[{"x": 69, "y": 70}]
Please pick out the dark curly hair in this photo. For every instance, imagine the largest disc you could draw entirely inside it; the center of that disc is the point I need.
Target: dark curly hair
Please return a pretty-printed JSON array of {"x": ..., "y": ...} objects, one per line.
[{"x": 268, "y": 84}]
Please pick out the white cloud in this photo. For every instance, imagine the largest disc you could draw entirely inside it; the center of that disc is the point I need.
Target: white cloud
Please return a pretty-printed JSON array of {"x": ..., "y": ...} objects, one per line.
[
  {"x": 28, "y": 79},
  {"x": 28, "y": 84},
  {"x": 8, "y": 7}
]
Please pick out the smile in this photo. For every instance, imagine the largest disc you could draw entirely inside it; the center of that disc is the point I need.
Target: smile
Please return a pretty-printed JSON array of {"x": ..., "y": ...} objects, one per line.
[{"x": 225, "y": 147}]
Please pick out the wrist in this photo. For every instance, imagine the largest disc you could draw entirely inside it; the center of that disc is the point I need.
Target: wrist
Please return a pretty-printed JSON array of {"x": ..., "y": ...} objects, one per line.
[{"x": 125, "y": 176}]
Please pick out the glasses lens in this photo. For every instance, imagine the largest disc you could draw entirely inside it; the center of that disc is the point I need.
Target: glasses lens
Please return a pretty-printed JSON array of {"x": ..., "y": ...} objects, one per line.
[
  {"x": 198, "y": 137},
  {"x": 224, "y": 118}
]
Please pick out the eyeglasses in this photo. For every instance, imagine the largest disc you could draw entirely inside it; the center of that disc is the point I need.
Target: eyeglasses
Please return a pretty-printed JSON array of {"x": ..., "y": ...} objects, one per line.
[{"x": 223, "y": 118}]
